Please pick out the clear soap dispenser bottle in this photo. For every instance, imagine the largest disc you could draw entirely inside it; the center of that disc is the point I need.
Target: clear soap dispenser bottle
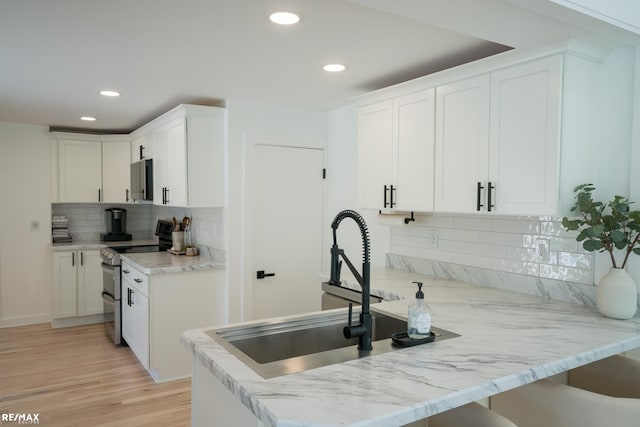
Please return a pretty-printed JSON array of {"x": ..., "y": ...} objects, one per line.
[{"x": 419, "y": 324}]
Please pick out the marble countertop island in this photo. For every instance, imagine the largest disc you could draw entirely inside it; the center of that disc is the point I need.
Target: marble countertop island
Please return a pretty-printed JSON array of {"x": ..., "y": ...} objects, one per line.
[{"x": 507, "y": 340}]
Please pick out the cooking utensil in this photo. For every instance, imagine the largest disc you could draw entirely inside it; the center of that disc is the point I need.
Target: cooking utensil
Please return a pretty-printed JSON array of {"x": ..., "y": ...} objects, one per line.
[
  {"x": 185, "y": 223},
  {"x": 175, "y": 224}
]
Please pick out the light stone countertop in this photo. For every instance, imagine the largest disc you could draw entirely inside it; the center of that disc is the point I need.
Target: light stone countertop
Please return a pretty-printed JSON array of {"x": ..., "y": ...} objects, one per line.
[
  {"x": 507, "y": 340},
  {"x": 165, "y": 262}
]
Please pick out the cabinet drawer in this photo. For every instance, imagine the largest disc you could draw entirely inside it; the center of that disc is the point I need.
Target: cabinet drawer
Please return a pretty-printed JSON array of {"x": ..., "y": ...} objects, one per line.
[{"x": 135, "y": 278}]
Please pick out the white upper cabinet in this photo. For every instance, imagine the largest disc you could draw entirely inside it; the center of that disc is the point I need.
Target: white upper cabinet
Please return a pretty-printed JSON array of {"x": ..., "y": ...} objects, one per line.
[
  {"x": 525, "y": 137},
  {"x": 509, "y": 135},
  {"x": 79, "y": 170},
  {"x": 186, "y": 145},
  {"x": 141, "y": 148},
  {"x": 116, "y": 171},
  {"x": 91, "y": 168},
  {"x": 396, "y": 140},
  {"x": 188, "y": 158},
  {"x": 462, "y": 144},
  {"x": 413, "y": 136},
  {"x": 375, "y": 149},
  {"x": 497, "y": 141}
]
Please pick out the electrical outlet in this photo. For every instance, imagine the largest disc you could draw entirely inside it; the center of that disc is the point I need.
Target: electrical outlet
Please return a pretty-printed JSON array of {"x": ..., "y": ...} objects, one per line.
[
  {"x": 35, "y": 225},
  {"x": 542, "y": 250}
]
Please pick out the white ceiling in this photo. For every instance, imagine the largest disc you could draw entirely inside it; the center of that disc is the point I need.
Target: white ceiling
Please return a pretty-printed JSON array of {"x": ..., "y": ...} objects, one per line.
[{"x": 58, "y": 54}]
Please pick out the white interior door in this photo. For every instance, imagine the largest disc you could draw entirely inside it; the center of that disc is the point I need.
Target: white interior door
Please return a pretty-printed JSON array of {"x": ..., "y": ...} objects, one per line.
[{"x": 287, "y": 230}]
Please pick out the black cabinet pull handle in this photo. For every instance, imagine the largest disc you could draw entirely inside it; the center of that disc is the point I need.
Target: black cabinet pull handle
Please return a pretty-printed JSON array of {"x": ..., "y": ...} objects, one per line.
[
  {"x": 489, "y": 202},
  {"x": 127, "y": 195},
  {"x": 391, "y": 190},
  {"x": 385, "y": 196},
  {"x": 478, "y": 204},
  {"x": 261, "y": 274},
  {"x": 131, "y": 297},
  {"x": 141, "y": 152},
  {"x": 167, "y": 190},
  {"x": 81, "y": 258},
  {"x": 73, "y": 259},
  {"x": 137, "y": 280},
  {"x": 99, "y": 195},
  {"x": 125, "y": 271}
]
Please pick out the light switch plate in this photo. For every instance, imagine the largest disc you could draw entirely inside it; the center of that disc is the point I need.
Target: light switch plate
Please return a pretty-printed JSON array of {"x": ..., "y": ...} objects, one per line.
[{"x": 542, "y": 250}]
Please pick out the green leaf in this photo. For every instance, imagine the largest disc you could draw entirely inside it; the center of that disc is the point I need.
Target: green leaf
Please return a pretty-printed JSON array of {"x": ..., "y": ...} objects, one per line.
[
  {"x": 582, "y": 235},
  {"x": 636, "y": 251},
  {"x": 592, "y": 245},
  {"x": 596, "y": 231},
  {"x": 618, "y": 236}
]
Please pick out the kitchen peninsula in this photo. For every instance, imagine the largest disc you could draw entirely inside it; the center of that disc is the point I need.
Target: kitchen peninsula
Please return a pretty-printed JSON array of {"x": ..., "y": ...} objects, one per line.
[{"x": 506, "y": 340}]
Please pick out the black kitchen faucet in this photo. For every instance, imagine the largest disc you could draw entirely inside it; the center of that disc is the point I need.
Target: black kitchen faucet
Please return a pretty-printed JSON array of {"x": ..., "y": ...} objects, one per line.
[{"x": 363, "y": 330}]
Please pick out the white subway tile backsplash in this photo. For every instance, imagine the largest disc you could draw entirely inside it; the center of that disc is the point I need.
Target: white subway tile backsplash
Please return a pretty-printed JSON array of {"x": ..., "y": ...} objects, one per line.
[
  {"x": 496, "y": 238},
  {"x": 569, "y": 274},
  {"x": 515, "y": 226},
  {"x": 440, "y": 221},
  {"x": 563, "y": 244},
  {"x": 472, "y": 248},
  {"x": 568, "y": 259},
  {"x": 507, "y": 244},
  {"x": 522, "y": 254},
  {"x": 512, "y": 266},
  {"x": 458, "y": 235},
  {"x": 471, "y": 223}
]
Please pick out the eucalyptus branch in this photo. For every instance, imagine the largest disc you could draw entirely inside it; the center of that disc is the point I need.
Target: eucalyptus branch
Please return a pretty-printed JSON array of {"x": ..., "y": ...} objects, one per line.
[{"x": 630, "y": 247}]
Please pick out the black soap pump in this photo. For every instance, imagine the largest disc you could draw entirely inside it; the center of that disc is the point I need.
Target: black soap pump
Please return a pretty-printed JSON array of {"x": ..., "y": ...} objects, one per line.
[{"x": 419, "y": 324}]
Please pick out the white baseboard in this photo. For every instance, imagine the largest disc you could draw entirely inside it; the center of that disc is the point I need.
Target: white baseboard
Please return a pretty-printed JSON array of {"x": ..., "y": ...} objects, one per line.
[
  {"x": 77, "y": 321},
  {"x": 25, "y": 320}
]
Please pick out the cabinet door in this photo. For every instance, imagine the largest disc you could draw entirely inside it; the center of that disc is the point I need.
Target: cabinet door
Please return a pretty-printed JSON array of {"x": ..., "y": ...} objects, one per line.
[
  {"x": 135, "y": 321},
  {"x": 413, "y": 136},
  {"x": 525, "y": 135},
  {"x": 159, "y": 142},
  {"x": 128, "y": 315},
  {"x": 375, "y": 150},
  {"x": 177, "y": 163},
  {"x": 64, "y": 284},
  {"x": 116, "y": 171},
  {"x": 80, "y": 171},
  {"x": 141, "y": 308},
  {"x": 90, "y": 283},
  {"x": 141, "y": 148},
  {"x": 462, "y": 143}
]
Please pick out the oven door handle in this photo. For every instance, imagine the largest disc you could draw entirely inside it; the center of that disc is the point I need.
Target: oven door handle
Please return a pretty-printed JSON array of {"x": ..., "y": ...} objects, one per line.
[{"x": 108, "y": 297}]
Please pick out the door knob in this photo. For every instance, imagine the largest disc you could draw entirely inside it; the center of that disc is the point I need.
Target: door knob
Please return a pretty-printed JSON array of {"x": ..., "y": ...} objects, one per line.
[{"x": 260, "y": 274}]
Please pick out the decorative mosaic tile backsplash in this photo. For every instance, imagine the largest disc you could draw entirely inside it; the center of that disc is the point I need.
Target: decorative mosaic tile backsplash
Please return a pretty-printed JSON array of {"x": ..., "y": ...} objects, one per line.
[{"x": 529, "y": 246}]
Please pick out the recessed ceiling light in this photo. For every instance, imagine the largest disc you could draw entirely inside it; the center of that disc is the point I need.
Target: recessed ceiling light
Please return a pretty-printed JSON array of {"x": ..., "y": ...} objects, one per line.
[
  {"x": 88, "y": 118},
  {"x": 284, "y": 18},
  {"x": 109, "y": 93},
  {"x": 334, "y": 68}
]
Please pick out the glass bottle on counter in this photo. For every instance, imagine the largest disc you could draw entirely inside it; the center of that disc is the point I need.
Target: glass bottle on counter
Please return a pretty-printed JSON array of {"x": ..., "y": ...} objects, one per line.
[{"x": 419, "y": 322}]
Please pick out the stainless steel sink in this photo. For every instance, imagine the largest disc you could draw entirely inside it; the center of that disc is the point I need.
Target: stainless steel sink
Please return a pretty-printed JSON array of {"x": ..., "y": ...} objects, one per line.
[{"x": 274, "y": 348}]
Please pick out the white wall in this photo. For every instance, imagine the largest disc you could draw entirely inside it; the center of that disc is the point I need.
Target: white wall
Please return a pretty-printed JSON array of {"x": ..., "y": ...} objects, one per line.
[
  {"x": 342, "y": 191},
  {"x": 25, "y": 255},
  {"x": 248, "y": 121}
]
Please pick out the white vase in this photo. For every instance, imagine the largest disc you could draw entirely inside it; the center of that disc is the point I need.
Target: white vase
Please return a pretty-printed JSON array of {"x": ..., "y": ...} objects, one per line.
[{"x": 617, "y": 295}]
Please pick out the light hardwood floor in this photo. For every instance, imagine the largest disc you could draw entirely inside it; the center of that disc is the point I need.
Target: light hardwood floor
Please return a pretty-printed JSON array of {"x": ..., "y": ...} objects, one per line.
[{"x": 77, "y": 377}]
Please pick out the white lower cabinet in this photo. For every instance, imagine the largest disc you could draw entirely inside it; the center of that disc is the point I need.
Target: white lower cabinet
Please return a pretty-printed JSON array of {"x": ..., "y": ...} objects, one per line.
[
  {"x": 135, "y": 312},
  {"x": 77, "y": 284},
  {"x": 158, "y": 308}
]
